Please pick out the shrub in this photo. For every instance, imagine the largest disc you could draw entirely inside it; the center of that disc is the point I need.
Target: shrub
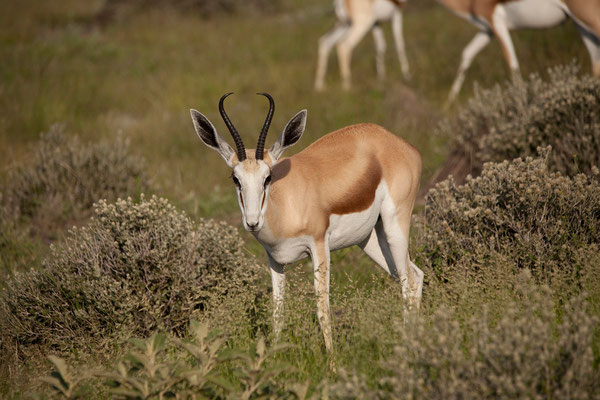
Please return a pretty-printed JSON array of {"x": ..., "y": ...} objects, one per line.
[
  {"x": 67, "y": 176},
  {"x": 525, "y": 354},
  {"x": 135, "y": 268},
  {"x": 506, "y": 122},
  {"x": 59, "y": 186},
  {"x": 516, "y": 215}
]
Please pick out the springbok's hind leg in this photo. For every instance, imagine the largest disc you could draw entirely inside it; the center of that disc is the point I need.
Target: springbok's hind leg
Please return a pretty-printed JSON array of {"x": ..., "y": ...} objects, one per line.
[{"x": 377, "y": 246}]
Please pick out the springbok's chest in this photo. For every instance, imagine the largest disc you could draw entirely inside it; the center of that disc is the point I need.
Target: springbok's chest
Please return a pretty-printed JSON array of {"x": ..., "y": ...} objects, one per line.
[{"x": 340, "y": 231}]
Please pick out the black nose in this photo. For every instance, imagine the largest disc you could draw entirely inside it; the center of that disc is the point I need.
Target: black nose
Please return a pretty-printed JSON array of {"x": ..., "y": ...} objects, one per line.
[{"x": 252, "y": 227}]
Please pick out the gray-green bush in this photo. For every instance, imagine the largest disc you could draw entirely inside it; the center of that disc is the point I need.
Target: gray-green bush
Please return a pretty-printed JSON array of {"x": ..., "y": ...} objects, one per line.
[
  {"x": 58, "y": 187},
  {"x": 135, "y": 268},
  {"x": 524, "y": 354},
  {"x": 516, "y": 215},
  {"x": 512, "y": 120}
]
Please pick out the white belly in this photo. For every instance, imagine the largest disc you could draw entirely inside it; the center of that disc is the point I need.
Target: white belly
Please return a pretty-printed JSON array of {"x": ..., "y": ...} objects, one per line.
[
  {"x": 383, "y": 9},
  {"x": 533, "y": 14},
  {"x": 349, "y": 229}
]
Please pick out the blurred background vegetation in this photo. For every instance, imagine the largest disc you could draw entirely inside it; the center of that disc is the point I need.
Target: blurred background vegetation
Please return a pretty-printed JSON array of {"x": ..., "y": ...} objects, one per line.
[{"x": 119, "y": 77}]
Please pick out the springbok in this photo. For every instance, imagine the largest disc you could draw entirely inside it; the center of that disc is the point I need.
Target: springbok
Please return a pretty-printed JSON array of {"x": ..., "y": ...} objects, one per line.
[
  {"x": 498, "y": 17},
  {"x": 355, "y": 186},
  {"x": 355, "y": 19}
]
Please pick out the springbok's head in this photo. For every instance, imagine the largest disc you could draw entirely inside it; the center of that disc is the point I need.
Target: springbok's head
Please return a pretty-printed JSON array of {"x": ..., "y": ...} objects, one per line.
[{"x": 251, "y": 168}]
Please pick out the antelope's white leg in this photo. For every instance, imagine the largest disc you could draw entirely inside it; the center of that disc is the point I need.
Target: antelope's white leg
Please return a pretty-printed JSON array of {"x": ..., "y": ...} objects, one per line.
[
  {"x": 278, "y": 281},
  {"x": 501, "y": 30},
  {"x": 396, "y": 222},
  {"x": 380, "y": 47},
  {"x": 377, "y": 248},
  {"x": 320, "y": 259},
  {"x": 476, "y": 44},
  {"x": 358, "y": 30},
  {"x": 399, "y": 42},
  {"x": 592, "y": 44},
  {"x": 326, "y": 42}
]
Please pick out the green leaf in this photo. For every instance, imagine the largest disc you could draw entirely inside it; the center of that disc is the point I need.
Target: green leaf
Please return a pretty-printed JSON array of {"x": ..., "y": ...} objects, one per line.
[
  {"x": 61, "y": 367},
  {"x": 55, "y": 383},
  {"x": 158, "y": 341},
  {"x": 139, "y": 343},
  {"x": 222, "y": 383},
  {"x": 260, "y": 346}
]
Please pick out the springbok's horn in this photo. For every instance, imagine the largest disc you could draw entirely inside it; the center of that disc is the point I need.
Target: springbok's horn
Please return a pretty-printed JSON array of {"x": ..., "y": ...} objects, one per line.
[
  {"x": 260, "y": 146},
  {"x": 241, "y": 150}
]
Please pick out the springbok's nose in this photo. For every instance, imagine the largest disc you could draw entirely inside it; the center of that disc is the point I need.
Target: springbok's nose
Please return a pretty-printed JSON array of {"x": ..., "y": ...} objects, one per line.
[{"x": 252, "y": 227}]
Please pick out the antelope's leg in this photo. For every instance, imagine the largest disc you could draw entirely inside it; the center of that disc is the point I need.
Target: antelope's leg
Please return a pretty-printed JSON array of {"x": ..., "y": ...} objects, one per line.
[
  {"x": 278, "y": 281},
  {"x": 399, "y": 42},
  {"x": 592, "y": 43},
  {"x": 358, "y": 30},
  {"x": 380, "y": 46},
  {"x": 320, "y": 259},
  {"x": 377, "y": 248},
  {"x": 502, "y": 33},
  {"x": 476, "y": 44},
  {"x": 326, "y": 42},
  {"x": 396, "y": 225}
]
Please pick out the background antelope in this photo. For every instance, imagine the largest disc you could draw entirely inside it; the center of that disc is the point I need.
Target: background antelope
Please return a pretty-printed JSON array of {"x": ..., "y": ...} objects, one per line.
[
  {"x": 355, "y": 186},
  {"x": 498, "y": 17},
  {"x": 355, "y": 19}
]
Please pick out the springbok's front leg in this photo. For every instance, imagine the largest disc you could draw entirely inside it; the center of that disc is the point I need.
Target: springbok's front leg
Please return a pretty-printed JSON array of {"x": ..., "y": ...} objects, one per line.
[
  {"x": 278, "y": 281},
  {"x": 320, "y": 259}
]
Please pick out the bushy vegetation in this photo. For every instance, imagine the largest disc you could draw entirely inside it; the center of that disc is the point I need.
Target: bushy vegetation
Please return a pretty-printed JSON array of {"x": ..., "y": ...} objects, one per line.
[
  {"x": 135, "y": 268},
  {"x": 524, "y": 354},
  {"x": 515, "y": 216},
  {"x": 511, "y": 120},
  {"x": 57, "y": 187},
  {"x": 184, "y": 369}
]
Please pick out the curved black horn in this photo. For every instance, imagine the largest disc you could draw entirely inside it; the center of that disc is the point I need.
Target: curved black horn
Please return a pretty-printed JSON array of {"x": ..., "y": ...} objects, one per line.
[
  {"x": 260, "y": 146},
  {"x": 241, "y": 150}
]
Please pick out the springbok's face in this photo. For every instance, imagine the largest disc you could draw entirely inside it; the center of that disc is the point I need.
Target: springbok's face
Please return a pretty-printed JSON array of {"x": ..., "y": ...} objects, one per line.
[
  {"x": 251, "y": 170},
  {"x": 252, "y": 180}
]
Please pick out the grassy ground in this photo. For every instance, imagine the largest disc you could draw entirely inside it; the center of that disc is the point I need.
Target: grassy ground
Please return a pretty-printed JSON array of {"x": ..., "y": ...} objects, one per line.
[{"x": 140, "y": 75}]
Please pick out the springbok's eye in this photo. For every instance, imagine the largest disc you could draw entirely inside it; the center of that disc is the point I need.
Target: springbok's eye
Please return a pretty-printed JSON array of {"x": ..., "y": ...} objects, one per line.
[
  {"x": 236, "y": 181},
  {"x": 267, "y": 181}
]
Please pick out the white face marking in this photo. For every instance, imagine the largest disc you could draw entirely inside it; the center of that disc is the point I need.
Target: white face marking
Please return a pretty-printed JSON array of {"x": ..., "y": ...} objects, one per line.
[{"x": 252, "y": 185}]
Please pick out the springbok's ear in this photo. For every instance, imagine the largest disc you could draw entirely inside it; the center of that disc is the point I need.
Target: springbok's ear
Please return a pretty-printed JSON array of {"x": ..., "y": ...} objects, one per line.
[
  {"x": 290, "y": 135},
  {"x": 207, "y": 132}
]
